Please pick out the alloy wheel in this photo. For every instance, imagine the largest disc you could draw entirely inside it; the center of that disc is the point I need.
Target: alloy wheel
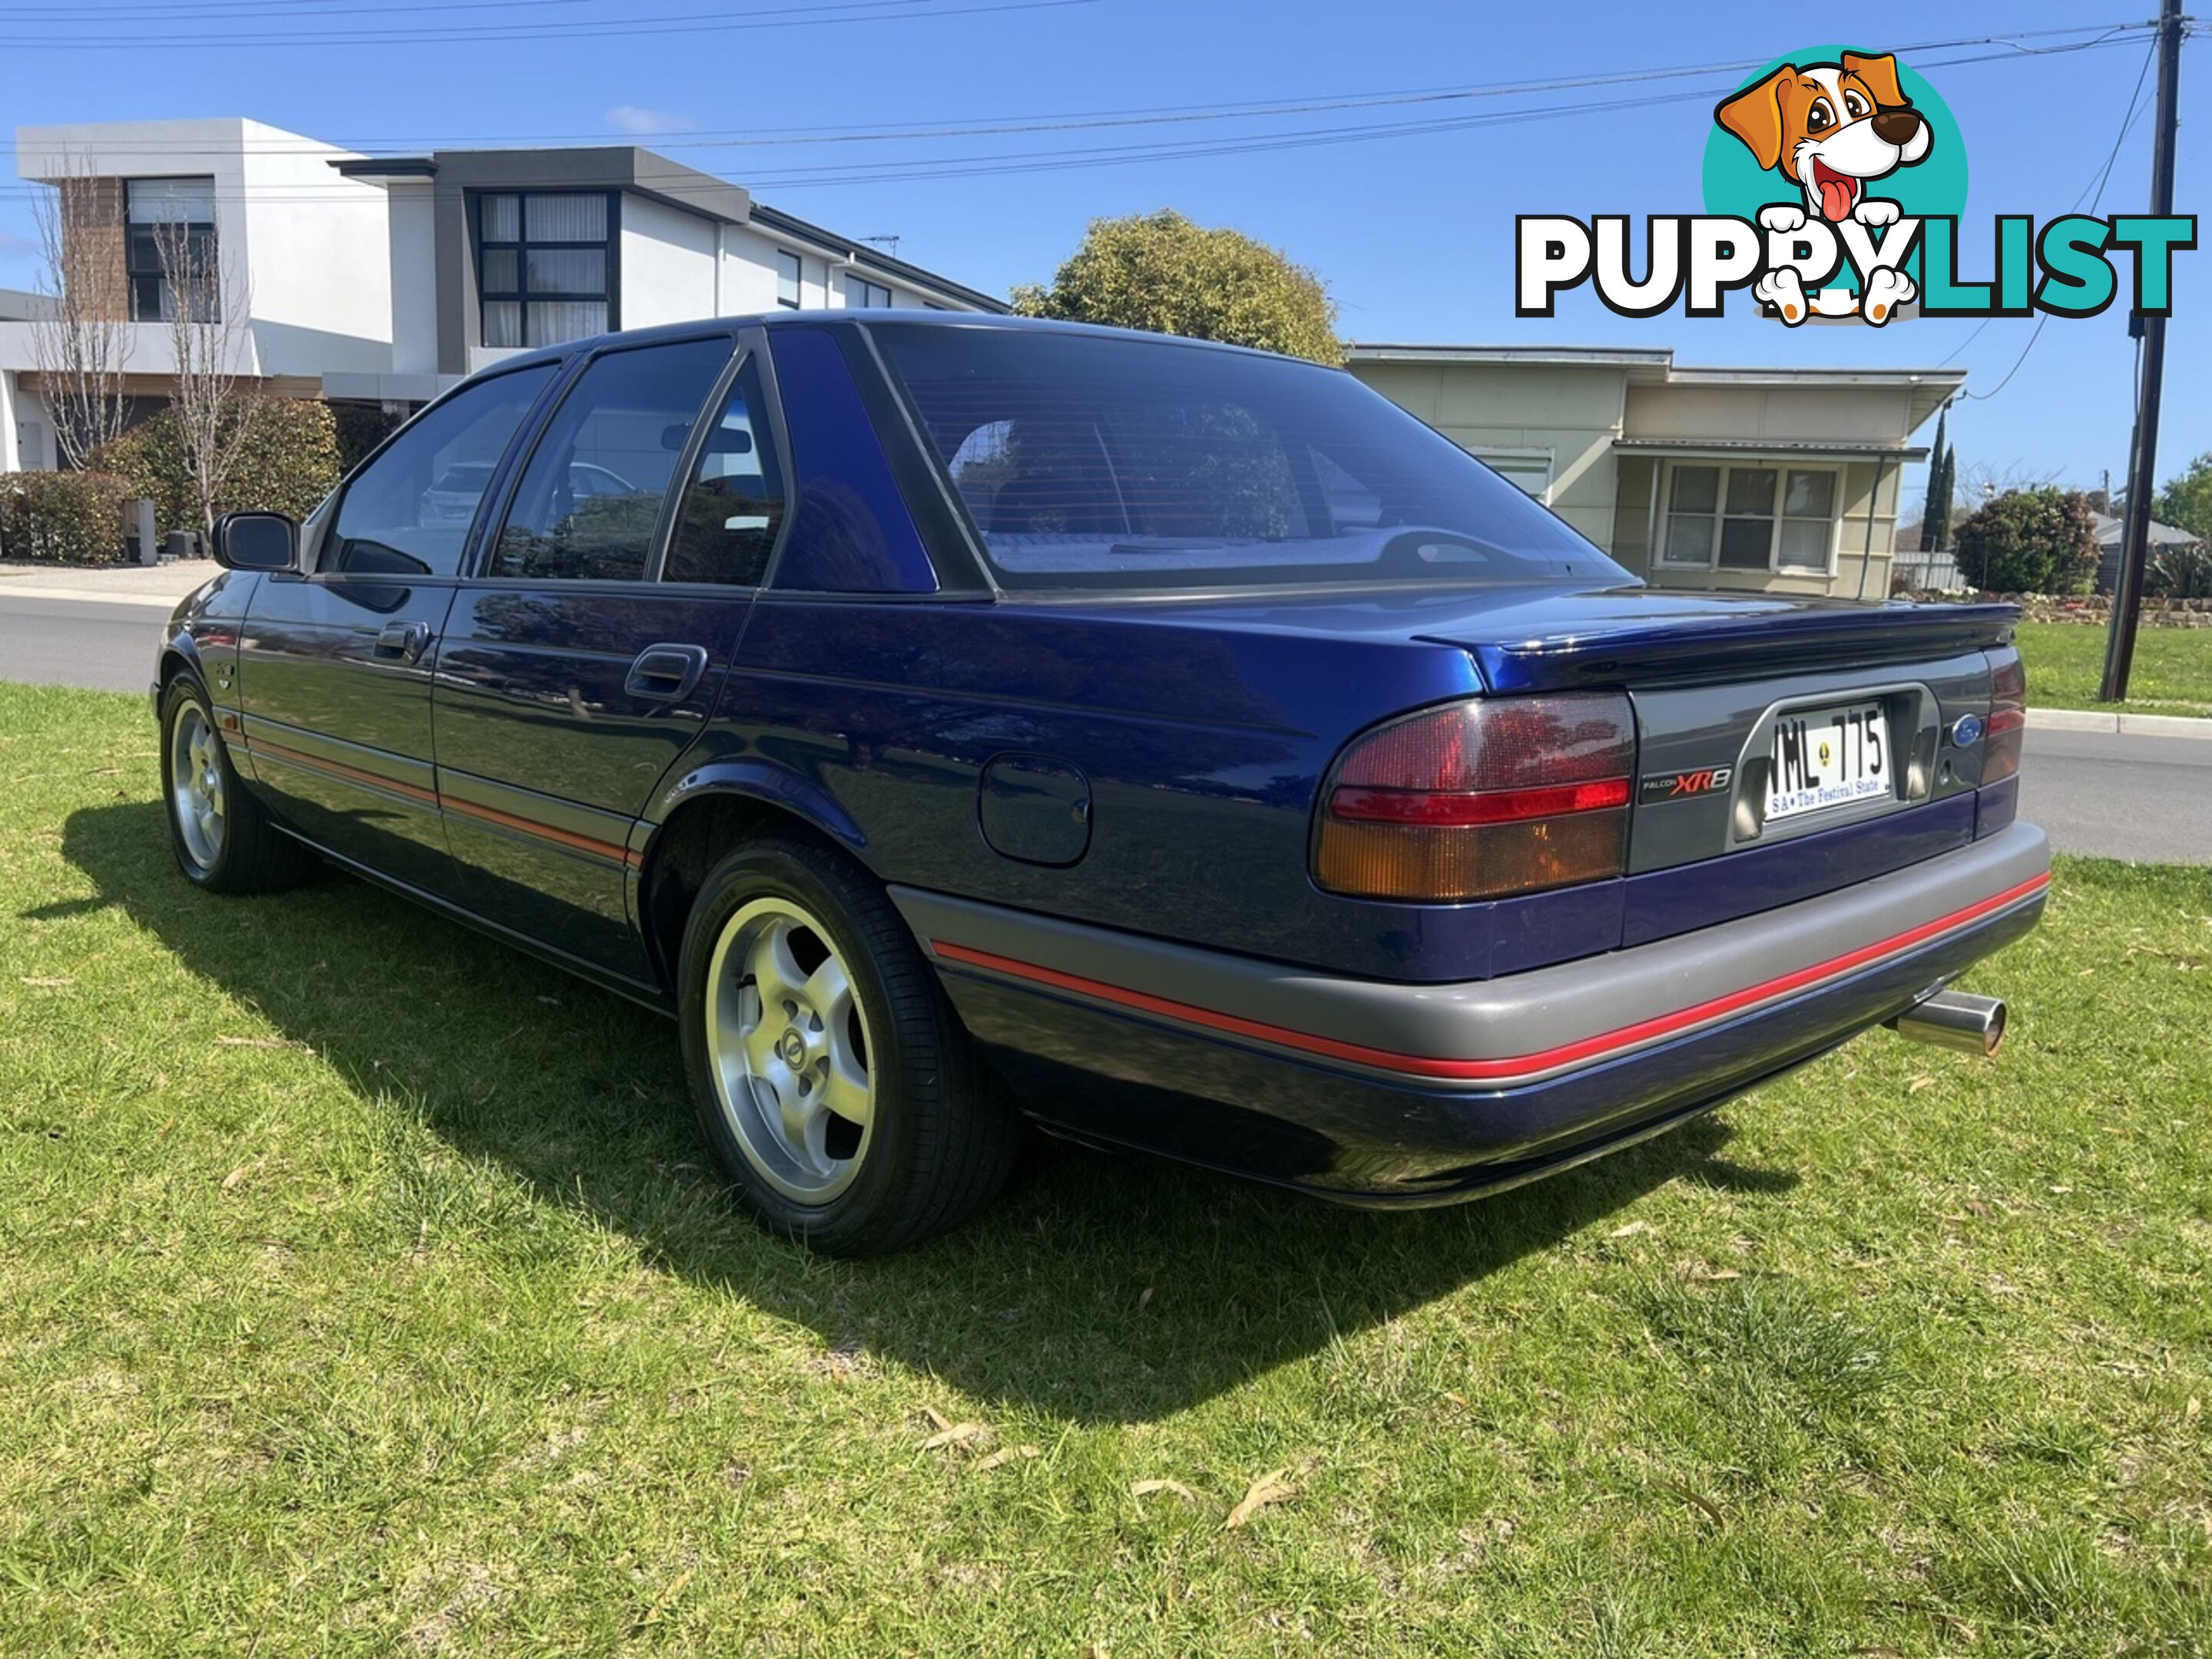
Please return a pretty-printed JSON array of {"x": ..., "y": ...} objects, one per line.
[
  {"x": 197, "y": 798},
  {"x": 787, "y": 1043}
]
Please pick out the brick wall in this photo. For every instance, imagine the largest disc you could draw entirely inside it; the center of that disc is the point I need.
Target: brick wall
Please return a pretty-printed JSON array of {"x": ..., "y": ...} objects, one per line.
[{"x": 93, "y": 235}]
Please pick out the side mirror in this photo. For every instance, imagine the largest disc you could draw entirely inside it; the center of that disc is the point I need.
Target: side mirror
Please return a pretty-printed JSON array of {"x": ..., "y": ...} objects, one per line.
[{"x": 257, "y": 541}]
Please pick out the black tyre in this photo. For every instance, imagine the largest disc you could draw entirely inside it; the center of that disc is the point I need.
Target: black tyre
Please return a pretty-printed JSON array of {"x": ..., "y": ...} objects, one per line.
[
  {"x": 832, "y": 1077},
  {"x": 223, "y": 836}
]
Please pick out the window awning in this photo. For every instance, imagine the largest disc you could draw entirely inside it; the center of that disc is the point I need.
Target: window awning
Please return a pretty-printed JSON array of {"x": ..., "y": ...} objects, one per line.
[{"x": 1793, "y": 449}]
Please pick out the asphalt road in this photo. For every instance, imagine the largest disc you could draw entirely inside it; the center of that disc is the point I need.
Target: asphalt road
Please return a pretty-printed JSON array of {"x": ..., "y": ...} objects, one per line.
[
  {"x": 2145, "y": 799},
  {"x": 2148, "y": 799},
  {"x": 95, "y": 643}
]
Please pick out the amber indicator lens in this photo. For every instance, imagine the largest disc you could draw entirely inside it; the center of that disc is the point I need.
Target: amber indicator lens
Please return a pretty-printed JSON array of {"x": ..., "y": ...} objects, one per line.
[{"x": 1481, "y": 798}]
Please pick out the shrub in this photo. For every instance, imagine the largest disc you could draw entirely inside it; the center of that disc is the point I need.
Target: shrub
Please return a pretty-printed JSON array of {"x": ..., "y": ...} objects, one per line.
[
  {"x": 64, "y": 518},
  {"x": 2180, "y": 573},
  {"x": 2030, "y": 541},
  {"x": 288, "y": 461}
]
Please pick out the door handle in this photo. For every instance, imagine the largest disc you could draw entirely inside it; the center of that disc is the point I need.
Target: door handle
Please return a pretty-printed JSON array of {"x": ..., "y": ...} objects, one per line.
[
  {"x": 403, "y": 641},
  {"x": 666, "y": 672}
]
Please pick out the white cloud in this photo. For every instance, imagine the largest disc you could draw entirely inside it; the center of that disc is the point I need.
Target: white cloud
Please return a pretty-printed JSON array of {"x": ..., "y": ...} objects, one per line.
[{"x": 643, "y": 123}]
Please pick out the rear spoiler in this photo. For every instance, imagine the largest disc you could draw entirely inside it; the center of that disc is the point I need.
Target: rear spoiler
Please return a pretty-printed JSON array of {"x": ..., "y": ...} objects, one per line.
[{"x": 1687, "y": 649}]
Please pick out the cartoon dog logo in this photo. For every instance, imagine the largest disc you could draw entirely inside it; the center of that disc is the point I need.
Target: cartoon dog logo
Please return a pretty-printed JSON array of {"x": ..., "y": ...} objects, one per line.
[{"x": 1831, "y": 130}]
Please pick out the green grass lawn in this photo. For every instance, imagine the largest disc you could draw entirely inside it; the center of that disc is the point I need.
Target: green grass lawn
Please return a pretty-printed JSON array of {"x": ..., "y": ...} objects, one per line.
[
  {"x": 362, "y": 1290},
  {"x": 2173, "y": 672}
]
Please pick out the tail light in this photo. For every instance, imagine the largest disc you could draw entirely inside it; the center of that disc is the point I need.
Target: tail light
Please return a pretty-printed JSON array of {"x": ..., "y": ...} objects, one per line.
[
  {"x": 2008, "y": 722},
  {"x": 1481, "y": 798}
]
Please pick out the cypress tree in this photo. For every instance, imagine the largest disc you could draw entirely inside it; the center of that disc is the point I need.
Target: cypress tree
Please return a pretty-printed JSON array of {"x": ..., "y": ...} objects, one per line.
[{"x": 1935, "y": 517}]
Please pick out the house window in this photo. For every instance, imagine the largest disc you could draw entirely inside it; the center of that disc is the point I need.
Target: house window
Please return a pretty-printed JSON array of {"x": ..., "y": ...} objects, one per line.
[
  {"x": 1808, "y": 507},
  {"x": 167, "y": 216},
  {"x": 861, "y": 292},
  {"x": 1750, "y": 518},
  {"x": 790, "y": 271},
  {"x": 1529, "y": 471},
  {"x": 544, "y": 267}
]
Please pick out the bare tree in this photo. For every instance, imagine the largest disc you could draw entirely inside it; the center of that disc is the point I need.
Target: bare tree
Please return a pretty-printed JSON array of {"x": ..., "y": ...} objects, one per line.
[
  {"x": 82, "y": 341},
  {"x": 214, "y": 406},
  {"x": 1981, "y": 482}
]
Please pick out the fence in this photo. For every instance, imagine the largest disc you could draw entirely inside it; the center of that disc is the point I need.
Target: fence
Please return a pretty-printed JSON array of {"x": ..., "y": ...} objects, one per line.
[{"x": 1923, "y": 573}]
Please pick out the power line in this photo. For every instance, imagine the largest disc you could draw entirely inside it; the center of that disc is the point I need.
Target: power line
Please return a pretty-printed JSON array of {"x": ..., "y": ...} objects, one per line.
[
  {"x": 1064, "y": 159},
  {"x": 1021, "y": 161},
  {"x": 673, "y": 23},
  {"x": 2099, "y": 35},
  {"x": 2102, "y": 178},
  {"x": 136, "y": 11}
]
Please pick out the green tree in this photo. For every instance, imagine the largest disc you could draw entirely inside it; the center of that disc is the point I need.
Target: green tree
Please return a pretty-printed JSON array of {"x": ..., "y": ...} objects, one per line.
[
  {"x": 1950, "y": 492},
  {"x": 1942, "y": 480},
  {"x": 2186, "y": 502},
  {"x": 1162, "y": 272},
  {"x": 2030, "y": 541}
]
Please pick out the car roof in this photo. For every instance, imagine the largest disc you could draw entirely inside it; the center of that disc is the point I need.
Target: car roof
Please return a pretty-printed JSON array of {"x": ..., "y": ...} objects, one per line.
[{"x": 785, "y": 318}]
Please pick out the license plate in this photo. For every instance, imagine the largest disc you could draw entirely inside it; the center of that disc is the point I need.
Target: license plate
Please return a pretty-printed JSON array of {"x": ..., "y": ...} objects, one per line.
[{"x": 1827, "y": 757}]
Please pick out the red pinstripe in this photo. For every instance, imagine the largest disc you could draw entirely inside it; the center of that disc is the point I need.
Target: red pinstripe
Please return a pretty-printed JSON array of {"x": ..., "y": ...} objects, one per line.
[
  {"x": 1464, "y": 1071},
  {"x": 606, "y": 849}
]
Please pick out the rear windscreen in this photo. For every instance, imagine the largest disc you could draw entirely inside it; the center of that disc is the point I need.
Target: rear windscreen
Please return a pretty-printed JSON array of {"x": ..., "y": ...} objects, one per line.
[{"x": 1090, "y": 461}]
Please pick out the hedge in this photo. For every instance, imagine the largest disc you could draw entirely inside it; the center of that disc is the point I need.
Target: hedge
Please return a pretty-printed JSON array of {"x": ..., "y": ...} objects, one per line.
[
  {"x": 360, "y": 427},
  {"x": 290, "y": 462},
  {"x": 64, "y": 518}
]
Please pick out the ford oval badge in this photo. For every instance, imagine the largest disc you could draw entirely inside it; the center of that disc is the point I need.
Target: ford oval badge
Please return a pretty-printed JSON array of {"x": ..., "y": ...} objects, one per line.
[{"x": 1967, "y": 732}]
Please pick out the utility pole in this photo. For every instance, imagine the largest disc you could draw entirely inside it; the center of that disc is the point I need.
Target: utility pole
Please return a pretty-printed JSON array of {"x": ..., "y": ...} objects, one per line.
[{"x": 2127, "y": 593}]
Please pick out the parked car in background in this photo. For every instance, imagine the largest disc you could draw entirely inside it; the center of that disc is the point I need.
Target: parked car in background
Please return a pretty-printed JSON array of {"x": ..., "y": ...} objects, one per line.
[
  {"x": 452, "y": 498},
  {"x": 953, "y": 721}
]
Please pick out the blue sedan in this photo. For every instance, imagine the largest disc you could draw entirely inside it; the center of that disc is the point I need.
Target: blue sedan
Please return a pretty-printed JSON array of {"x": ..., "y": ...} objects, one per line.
[{"x": 954, "y": 722}]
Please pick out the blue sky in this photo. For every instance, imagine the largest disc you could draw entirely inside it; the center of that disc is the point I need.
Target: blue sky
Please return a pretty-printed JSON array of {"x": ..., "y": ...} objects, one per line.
[{"x": 1412, "y": 231}]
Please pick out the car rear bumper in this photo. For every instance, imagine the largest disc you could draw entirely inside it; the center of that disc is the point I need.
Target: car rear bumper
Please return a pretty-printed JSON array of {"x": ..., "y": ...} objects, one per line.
[{"x": 1390, "y": 1093}]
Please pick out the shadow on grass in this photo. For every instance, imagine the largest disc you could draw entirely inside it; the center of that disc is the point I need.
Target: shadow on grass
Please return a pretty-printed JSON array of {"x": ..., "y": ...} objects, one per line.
[{"x": 1043, "y": 1304}]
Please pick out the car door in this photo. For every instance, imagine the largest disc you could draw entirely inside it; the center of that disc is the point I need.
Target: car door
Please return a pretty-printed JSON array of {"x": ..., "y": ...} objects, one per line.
[
  {"x": 336, "y": 664},
  {"x": 589, "y": 649}
]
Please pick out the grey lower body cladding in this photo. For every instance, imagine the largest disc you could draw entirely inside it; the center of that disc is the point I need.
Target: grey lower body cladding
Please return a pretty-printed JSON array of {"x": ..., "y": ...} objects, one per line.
[{"x": 1384, "y": 1092}]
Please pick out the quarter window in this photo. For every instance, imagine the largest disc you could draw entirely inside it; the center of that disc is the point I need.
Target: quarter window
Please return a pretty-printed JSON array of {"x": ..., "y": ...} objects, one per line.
[
  {"x": 171, "y": 219},
  {"x": 408, "y": 512},
  {"x": 1750, "y": 518},
  {"x": 544, "y": 267},
  {"x": 590, "y": 499},
  {"x": 726, "y": 527},
  {"x": 790, "y": 272}
]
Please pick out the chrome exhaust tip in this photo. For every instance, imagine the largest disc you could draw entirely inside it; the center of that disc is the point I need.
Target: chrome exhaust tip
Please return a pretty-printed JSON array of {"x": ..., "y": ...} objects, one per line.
[{"x": 1952, "y": 1019}]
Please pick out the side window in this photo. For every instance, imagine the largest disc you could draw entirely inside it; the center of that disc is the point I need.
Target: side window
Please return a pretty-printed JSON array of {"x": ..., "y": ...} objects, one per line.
[
  {"x": 409, "y": 511},
  {"x": 590, "y": 498},
  {"x": 732, "y": 507}
]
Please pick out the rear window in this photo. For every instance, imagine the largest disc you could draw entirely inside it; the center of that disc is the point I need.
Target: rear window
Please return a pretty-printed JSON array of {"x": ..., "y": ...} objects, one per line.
[{"x": 1088, "y": 461}]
